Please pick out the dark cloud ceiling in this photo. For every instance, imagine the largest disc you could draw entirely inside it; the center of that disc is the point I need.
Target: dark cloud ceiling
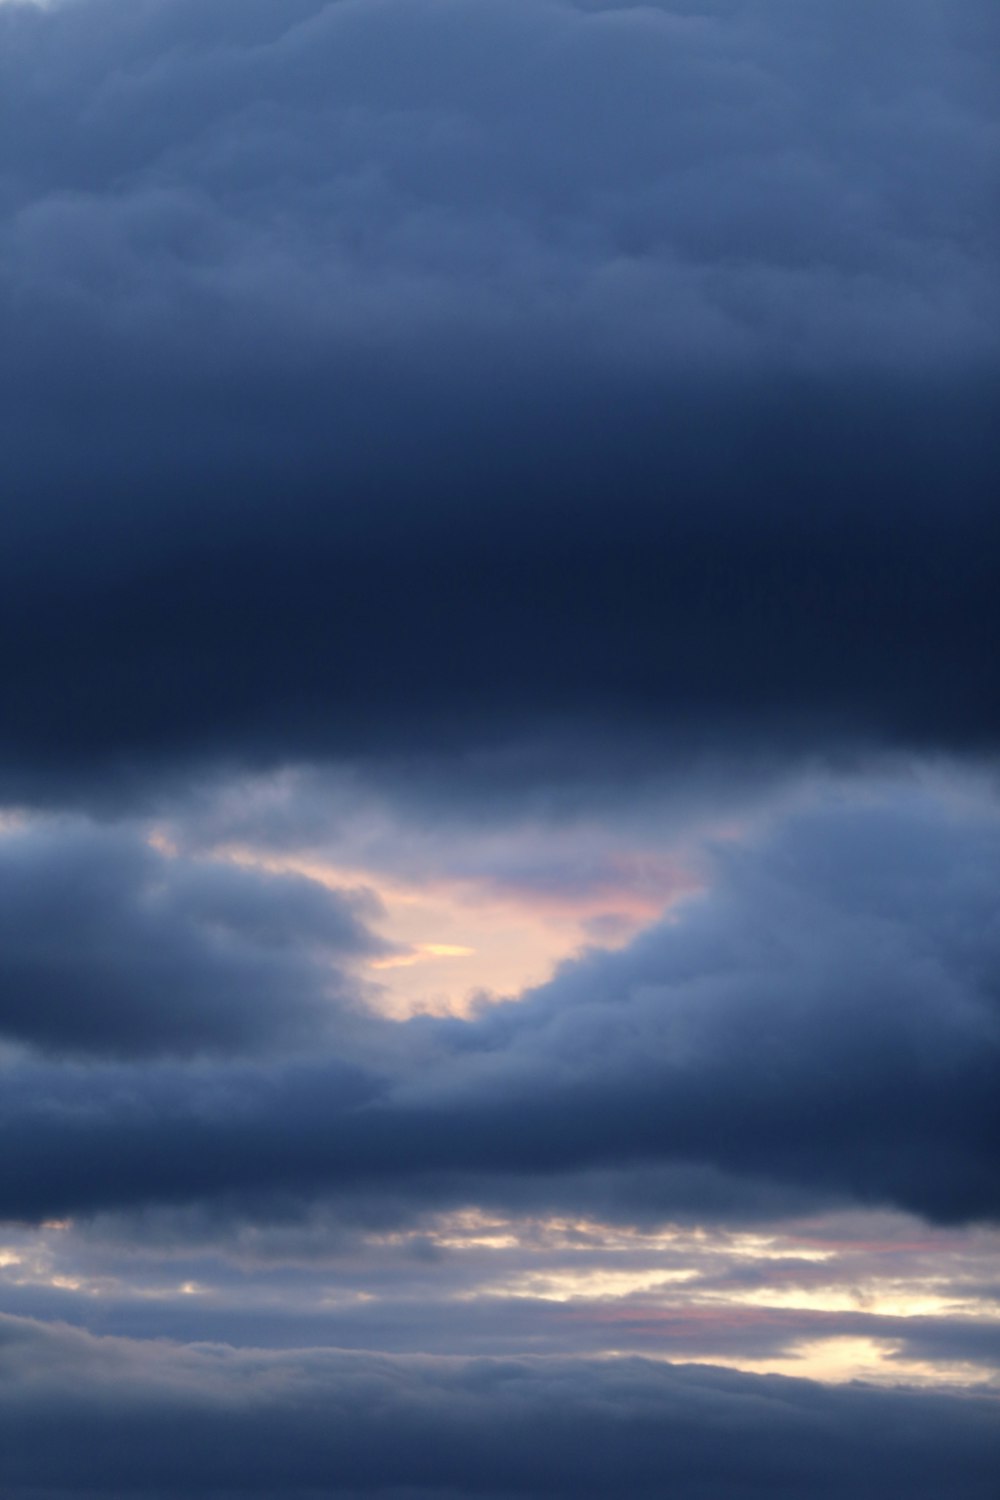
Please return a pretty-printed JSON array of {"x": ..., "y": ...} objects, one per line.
[
  {"x": 468, "y": 395},
  {"x": 385, "y": 378}
]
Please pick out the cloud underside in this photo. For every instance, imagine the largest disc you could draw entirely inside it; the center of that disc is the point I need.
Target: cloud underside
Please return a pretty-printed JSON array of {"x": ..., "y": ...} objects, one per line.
[
  {"x": 547, "y": 446},
  {"x": 80, "y": 1413},
  {"x": 109, "y": 948},
  {"x": 389, "y": 380},
  {"x": 819, "y": 1026}
]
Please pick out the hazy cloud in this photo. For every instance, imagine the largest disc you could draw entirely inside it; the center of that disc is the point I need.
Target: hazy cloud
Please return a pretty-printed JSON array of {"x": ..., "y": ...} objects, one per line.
[{"x": 80, "y": 1413}]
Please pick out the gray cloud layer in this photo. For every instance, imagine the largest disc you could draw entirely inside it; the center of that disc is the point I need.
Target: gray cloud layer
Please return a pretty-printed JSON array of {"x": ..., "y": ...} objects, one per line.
[
  {"x": 822, "y": 1025},
  {"x": 107, "y": 947},
  {"x": 81, "y": 1415},
  {"x": 486, "y": 388},
  {"x": 383, "y": 377}
]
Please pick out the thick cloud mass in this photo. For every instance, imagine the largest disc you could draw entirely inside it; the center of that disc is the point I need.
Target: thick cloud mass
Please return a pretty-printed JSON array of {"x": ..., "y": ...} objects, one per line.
[
  {"x": 821, "y": 1025},
  {"x": 108, "y": 947},
  {"x": 386, "y": 376},
  {"x": 81, "y": 1414},
  {"x": 520, "y": 454}
]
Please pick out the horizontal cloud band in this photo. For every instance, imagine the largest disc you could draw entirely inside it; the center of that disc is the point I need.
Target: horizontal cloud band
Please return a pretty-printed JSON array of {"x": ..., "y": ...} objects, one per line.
[
  {"x": 821, "y": 1024},
  {"x": 80, "y": 1414},
  {"x": 386, "y": 377}
]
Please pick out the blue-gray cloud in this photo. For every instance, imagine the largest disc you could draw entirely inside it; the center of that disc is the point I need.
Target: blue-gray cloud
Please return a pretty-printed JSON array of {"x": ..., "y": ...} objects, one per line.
[
  {"x": 81, "y": 1414},
  {"x": 108, "y": 947},
  {"x": 821, "y": 1026},
  {"x": 474, "y": 396},
  {"x": 390, "y": 377}
]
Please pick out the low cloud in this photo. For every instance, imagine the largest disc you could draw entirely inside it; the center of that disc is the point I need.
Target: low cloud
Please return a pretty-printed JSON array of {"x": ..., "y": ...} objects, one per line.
[
  {"x": 543, "y": 451},
  {"x": 110, "y": 947},
  {"x": 819, "y": 1026},
  {"x": 393, "y": 379},
  {"x": 81, "y": 1413}
]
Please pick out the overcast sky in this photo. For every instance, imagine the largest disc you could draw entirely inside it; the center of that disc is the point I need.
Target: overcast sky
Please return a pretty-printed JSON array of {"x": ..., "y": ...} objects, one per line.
[{"x": 499, "y": 817}]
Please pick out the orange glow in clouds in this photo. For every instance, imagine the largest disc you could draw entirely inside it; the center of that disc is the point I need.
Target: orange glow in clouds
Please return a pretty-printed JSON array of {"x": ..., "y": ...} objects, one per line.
[{"x": 469, "y": 938}]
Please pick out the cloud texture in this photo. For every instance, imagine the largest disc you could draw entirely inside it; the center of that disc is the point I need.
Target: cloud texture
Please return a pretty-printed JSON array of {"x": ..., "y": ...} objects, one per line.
[
  {"x": 80, "y": 1412},
  {"x": 109, "y": 947},
  {"x": 385, "y": 378},
  {"x": 822, "y": 1025},
  {"x": 480, "y": 467}
]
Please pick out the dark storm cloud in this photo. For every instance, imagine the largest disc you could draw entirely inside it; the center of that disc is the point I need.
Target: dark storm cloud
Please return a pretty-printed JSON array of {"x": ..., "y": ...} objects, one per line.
[
  {"x": 81, "y": 1414},
  {"x": 109, "y": 947},
  {"x": 388, "y": 377},
  {"x": 822, "y": 1025}
]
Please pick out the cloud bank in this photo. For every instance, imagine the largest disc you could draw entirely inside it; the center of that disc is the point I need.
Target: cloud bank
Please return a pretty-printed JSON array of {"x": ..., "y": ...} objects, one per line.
[
  {"x": 821, "y": 1025},
  {"x": 80, "y": 1412},
  {"x": 387, "y": 379},
  {"x": 509, "y": 454}
]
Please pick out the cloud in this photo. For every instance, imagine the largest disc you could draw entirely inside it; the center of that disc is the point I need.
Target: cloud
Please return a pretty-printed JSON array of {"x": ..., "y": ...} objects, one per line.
[
  {"x": 395, "y": 378},
  {"x": 912, "y": 1309},
  {"x": 79, "y": 1412},
  {"x": 819, "y": 1026},
  {"x": 484, "y": 418},
  {"x": 110, "y": 947}
]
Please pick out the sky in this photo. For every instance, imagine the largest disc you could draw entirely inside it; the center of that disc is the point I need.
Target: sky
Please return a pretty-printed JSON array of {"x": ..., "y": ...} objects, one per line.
[{"x": 499, "y": 798}]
